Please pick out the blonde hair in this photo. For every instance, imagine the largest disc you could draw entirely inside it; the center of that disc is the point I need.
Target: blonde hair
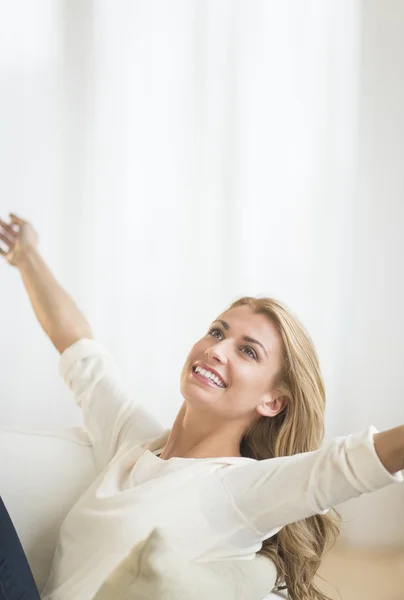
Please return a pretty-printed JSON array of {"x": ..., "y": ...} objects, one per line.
[{"x": 298, "y": 548}]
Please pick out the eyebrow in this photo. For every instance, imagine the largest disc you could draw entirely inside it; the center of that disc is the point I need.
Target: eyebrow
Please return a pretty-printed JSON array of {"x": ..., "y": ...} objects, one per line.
[{"x": 247, "y": 338}]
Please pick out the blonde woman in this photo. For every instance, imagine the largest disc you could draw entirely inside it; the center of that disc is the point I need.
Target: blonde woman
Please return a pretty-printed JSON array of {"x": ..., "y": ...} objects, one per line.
[{"x": 241, "y": 470}]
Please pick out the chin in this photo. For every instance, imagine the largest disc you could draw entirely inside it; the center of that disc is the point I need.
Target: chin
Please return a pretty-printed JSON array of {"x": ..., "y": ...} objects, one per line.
[{"x": 197, "y": 397}]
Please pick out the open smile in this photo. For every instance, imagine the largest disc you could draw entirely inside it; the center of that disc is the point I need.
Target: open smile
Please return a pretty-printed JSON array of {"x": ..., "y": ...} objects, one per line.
[{"x": 201, "y": 375}]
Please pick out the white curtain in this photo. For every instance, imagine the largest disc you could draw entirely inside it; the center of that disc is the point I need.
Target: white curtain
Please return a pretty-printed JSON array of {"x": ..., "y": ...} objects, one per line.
[{"x": 176, "y": 155}]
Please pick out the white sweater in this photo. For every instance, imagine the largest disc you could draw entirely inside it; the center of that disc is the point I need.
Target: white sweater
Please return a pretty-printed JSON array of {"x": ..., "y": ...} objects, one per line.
[{"x": 210, "y": 508}]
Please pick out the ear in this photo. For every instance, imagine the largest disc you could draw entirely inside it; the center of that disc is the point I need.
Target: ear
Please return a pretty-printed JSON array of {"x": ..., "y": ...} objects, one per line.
[{"x": 272, "y": 404}]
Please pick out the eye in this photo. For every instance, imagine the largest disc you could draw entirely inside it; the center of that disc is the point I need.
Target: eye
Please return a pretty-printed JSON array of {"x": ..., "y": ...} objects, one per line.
[
  {"x": 252, "y": 352},
  {"x": 214, "y": 330}
]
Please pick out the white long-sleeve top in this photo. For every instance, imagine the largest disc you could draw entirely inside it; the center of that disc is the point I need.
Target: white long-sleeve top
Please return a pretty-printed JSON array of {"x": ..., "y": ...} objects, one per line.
[{"x": 209, "y": 508}]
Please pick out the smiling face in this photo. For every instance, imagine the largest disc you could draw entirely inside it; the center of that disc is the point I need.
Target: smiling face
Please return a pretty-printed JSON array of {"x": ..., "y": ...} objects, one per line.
[{"x": 242, "y": 351}]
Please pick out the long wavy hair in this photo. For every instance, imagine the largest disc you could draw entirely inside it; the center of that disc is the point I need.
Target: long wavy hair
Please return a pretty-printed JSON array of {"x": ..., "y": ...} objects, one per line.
[{"x": 298, "y": 548}]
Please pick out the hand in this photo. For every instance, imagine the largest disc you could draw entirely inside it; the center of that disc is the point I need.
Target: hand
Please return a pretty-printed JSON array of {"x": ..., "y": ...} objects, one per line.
[{"x": 18, "y": 236}]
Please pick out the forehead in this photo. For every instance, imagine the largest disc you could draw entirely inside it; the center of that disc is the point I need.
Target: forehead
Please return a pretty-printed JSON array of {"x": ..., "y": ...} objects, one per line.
[{"x": 243, "y": 321}]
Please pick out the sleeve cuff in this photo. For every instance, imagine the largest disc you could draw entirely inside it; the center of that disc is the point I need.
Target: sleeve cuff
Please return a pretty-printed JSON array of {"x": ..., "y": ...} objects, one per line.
[
  {"x": 81, "y": 349},
  {"x": 365, "y": 462}
]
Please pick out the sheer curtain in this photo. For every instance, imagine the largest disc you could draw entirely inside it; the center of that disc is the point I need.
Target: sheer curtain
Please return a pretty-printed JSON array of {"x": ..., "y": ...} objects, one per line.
[
  {"x": 176, "y": 155},
  {"x": 210, "y": 160}
]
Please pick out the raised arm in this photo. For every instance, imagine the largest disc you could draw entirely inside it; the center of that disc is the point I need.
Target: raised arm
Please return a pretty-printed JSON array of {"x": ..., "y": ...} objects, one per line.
[
  {"x": 55, "y": 310},
  {"x": 111, "y": 416}
]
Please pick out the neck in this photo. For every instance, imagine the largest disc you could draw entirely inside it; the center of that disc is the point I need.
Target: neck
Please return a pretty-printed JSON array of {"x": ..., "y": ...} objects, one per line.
[{"x": 201, "y": 436}]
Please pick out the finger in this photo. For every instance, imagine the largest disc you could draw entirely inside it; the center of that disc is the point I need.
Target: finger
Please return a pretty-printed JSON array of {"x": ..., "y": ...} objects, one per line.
[
  {"x": 7, "y": 228},
  {"x": 8, "y": 231},
  {"x": 2, "y": 252},
  {"x": 17, "y": 220},
  {"x": 5, "y": 239}
]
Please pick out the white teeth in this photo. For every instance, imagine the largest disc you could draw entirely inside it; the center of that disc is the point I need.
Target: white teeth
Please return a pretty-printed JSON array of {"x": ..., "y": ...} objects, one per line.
[{"x": 210, "y": 375}]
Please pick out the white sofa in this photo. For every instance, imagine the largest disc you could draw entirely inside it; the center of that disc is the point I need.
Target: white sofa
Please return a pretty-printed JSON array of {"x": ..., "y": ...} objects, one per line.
[{"x": 43, "y": 473}]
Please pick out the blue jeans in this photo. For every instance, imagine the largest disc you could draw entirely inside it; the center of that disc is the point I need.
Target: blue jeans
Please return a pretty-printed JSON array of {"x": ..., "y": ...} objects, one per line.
[{"x": 16, "y": 580}]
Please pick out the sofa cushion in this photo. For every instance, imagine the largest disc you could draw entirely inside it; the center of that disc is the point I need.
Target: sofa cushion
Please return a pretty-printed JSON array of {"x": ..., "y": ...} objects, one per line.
[{"x": 154, "y": 569}]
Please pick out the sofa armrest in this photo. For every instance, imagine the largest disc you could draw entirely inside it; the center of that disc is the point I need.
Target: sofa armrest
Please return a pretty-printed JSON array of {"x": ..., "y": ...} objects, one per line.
[{"x": 42, "y": 474}]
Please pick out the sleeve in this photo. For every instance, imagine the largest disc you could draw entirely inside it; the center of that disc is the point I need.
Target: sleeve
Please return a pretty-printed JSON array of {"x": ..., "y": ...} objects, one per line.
[
  {"x": 110, "y": 415},
  {"x": 270, "y": 494}
]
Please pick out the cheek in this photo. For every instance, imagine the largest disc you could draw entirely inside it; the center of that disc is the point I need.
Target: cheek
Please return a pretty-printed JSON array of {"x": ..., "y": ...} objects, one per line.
[
  {"x": 193, "y": 355},
  {"x": 197, "y": 351},
  {"x": 250, "y": 383},
  {"x": 186, "y": 367}
]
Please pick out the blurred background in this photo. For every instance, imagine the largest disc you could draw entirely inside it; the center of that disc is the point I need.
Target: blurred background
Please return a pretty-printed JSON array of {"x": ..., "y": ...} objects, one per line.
[{"x": 176, "y": 155}]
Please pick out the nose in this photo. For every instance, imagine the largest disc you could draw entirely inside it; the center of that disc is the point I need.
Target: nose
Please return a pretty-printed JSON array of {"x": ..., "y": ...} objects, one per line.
[{"x": 217, "y": 352}]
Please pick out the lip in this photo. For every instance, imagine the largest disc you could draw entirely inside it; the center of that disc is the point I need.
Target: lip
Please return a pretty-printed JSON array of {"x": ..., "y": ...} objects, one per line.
[
  {"x": 205, "y": 381},
  {"x": 208, "y": 368}
]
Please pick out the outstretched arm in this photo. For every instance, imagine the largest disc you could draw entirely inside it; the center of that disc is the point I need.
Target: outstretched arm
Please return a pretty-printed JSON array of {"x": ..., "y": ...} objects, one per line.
[
  {"x": 58, "y": 315},
  {"x": 275, "y": 492}
]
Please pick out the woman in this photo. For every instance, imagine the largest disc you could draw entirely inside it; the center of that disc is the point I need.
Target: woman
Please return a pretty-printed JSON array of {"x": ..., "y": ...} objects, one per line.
[{"x": 240, "y": 471}]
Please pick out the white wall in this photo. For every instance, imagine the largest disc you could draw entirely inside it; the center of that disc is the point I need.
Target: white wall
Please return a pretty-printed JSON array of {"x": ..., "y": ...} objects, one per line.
[{"x": 372, "y": 336}]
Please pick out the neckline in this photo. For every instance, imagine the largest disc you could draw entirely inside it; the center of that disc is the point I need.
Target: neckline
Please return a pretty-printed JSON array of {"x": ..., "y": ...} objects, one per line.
[
  {"x": 156, "y": 447},
  {"x": 227, "y": 459}
]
